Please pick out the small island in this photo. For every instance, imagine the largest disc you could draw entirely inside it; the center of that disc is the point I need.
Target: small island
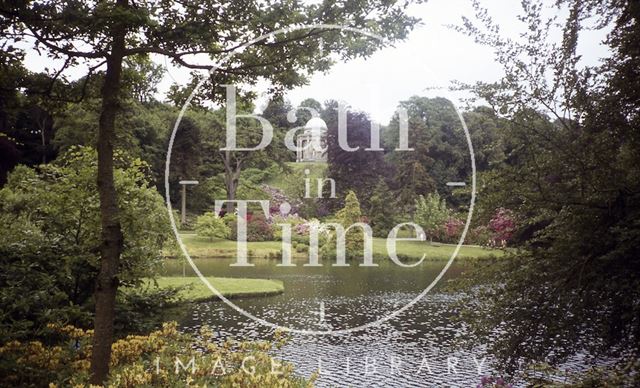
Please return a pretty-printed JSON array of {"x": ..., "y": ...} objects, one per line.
[{"x": 193, "y": 289}]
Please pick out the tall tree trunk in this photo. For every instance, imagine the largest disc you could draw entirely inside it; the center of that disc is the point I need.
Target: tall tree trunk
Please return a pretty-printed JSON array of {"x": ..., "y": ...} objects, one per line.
[
  {"x": 112, "y": 240},
  {"x": 231, "y": 195},
  {"x": 43, "y": 139},
  {"x": 231, "y": 179}
]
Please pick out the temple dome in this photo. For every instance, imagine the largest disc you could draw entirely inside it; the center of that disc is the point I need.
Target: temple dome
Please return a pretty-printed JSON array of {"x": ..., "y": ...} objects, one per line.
[
  {"x": 311, "y": 144},
  {"x": 316, "y": 126}
]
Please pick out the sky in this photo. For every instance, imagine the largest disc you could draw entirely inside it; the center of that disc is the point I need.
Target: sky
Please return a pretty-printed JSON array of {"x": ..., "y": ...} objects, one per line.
[{"x": 424, "y": 64}]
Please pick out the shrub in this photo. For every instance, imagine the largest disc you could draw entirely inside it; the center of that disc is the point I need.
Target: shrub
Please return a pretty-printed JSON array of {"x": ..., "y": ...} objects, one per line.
[
  {"x": 146, "y": 361},
  {"x": 141, "y": 310},
  {"x": 503, "y": 226},
  {"x": 452, "y": 229},
  {"x": 35, "y": 290},
  {"x": 431, "y": 213},
  {"x": 210, "y": 225},
  {"x": 50, "y": 238},
  {"x": 297, "y": 225},
  {"x": 480, "y": 235},
  {"x": 278, "y": 197},
  {"x": 258, "y": 228}
]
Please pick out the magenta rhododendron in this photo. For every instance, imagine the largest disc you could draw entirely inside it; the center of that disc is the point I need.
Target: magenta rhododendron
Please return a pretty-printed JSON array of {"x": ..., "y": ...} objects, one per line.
[
  {"x": 453, "y": 227},
  {"x": 503, "y": 225}
]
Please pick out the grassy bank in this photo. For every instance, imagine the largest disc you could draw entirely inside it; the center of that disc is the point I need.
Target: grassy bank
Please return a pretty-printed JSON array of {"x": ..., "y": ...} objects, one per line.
[
  {"x": 204, "y": 247},
  {"x": 289, "y": 182},
  {"x": 195, "y": 290}
]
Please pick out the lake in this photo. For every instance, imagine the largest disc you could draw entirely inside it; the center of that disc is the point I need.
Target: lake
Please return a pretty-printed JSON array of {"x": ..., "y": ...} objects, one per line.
[{"x": 416, "y": 349}]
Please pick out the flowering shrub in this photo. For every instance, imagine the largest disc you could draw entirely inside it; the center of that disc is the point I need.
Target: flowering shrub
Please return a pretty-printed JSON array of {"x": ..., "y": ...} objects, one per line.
[
  {"x": 278, "y": 197},
  {"x": 492, "y": 382},
  {"x": 164, "y": 358},
  {"x": 452, "y": 229},
  {"x": 503, "y": 226},
  {"x": 298, "y": 227},
  {"x": 258, "y": 228},
  {"x": 303, "y": 229}
]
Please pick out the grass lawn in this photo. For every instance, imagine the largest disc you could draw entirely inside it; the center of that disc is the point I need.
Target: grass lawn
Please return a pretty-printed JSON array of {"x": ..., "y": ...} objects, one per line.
[
  {"x": 290, "y": 181},
  {"x": 203, "y": 247},
  {"x": 196, "y": 290},
  {"x": 434, "y": 251}
]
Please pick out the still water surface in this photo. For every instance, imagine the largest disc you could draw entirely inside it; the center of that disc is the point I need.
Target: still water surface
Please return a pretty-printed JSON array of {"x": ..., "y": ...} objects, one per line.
[{"x": 416, "y": 349}]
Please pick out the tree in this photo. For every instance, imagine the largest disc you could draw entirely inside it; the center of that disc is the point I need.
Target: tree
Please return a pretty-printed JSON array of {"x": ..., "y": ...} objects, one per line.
[
  {"x": 430, "y": 212},
  {"x": 51, "y": 233},
  {"x": 570, "y": 174},
  {"x": 34, "y": 131},
  {"x": 440, "y": 152},
  {"x": 234, "y": 162},
  {"x": 26, "y": 115},
  {"x": 347, "y": 216},
  {"x": 211, "y": 225},
  {"x": 382, "y": 209},
  {"x": 355, "y": 171},
  {"x": 276, "y": 112},
  {"x": 186, "y": 152},
  {"x": 309, "y": 107},
  {"x": 141, "y": 78},
  {"x": 10, "y": 157},
  {"x": 110, "y": 32}
]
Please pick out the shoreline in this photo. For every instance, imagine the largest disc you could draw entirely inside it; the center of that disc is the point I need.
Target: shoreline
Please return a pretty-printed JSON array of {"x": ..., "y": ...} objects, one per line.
[
  {"x": 203, "y": 248},
  {"x": 192, "y": 289}
]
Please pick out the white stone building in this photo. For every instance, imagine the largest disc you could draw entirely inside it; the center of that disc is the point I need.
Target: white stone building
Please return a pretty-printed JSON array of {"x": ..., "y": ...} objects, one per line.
[{"x": 311, "y": 144}]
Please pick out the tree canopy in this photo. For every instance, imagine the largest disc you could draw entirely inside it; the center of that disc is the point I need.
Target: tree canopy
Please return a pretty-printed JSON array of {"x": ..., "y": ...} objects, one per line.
[
  {"x": 570, "y": 173},
  {"x": 104, "y": 34}
]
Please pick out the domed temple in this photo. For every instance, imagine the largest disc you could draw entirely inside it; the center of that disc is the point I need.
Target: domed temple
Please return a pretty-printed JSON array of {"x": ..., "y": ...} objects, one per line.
[{"x": 311, "y": 144}]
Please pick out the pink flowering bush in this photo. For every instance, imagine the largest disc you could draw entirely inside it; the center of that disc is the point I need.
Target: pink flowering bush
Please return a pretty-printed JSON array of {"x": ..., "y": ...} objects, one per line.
[
  {"x": 298, "y": 226},
  {"x": 502, "y": 226},
  {"x": 258, "y": 228},
  {"x": 301, "y": 229},
  {"x": 453, "y": 228},
  {"x": 278, "y": 197}
]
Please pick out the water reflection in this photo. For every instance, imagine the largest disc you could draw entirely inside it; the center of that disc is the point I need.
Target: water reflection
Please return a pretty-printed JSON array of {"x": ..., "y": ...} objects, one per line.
[{"x": 418, "y": 348}]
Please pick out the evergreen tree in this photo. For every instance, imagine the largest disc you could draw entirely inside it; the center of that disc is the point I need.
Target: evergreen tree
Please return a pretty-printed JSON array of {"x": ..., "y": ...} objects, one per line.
[
  {"x": 382, "y": 210},
  {"x": 349, "y": 215}
]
